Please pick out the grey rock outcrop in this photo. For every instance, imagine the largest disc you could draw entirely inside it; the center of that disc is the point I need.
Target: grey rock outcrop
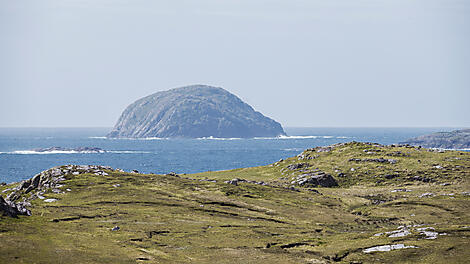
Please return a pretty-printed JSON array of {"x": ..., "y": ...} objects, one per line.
[
  {"x": 458, "y": 139},
  {"x": 315, "y": 179},
  {"x": 20, "y": 196},
  {"x": 193, "y": 112},
  {"x": 11, "y": 209}
]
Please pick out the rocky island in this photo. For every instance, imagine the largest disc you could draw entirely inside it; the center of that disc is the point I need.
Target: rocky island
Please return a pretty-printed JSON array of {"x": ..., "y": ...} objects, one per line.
[
  {"x": 193, "y": 112},
  {"x": 344, "y": 203},
  {"x": 458, "y": 139}
]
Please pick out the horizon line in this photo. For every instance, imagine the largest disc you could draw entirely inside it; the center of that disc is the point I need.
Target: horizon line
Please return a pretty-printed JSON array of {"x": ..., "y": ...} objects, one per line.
[{"x": 110, "y": 127}]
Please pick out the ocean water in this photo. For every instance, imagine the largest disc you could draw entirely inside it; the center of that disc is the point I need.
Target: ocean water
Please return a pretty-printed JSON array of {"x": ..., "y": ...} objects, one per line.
[{"x": 18, "y": 161}]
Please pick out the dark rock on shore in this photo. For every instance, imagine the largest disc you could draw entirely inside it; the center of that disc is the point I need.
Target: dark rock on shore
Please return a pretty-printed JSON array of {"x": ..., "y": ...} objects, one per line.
[
  {"x": 80, "y": 150},
  {"x": 193, "y": 112},
  {"x": 458, "y": 139}
]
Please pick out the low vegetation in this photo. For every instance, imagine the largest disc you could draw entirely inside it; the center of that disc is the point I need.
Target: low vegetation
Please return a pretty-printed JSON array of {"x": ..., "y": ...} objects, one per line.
[{"x": 390, "y": 204}]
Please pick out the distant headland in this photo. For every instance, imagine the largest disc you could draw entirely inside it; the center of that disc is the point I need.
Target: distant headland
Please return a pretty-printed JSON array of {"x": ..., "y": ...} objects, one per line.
[{"x": 457, "y": 139}]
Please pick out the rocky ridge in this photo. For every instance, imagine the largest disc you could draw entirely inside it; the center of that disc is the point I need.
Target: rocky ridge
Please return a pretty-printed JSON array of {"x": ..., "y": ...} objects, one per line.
[{"x": 20, "y": 196}]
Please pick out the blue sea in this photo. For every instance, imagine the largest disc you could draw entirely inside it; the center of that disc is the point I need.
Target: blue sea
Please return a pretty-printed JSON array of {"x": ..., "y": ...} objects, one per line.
[{"x": 19, "y": 161}]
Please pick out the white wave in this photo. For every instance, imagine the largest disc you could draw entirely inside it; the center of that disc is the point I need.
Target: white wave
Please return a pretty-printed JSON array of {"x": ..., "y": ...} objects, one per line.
[
  {"x": 297, "y": 137},
  {"x": 125, "y": 138},
  {"x": 32, "y": 152},
  {"x": 128, "y": 152},
  {"x": 285, "y": 137},
  {"x": 215, "y": 138},
  {"x": 293, "y": 149},
  {"x": 147, "y": 138},
  {"x": 288, "y": 137},
  {"x": 29, "y": 152}
]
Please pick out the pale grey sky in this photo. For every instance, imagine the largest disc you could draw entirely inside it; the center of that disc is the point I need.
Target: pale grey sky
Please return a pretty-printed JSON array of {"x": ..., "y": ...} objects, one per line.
[{"x": 301, "y": 62}]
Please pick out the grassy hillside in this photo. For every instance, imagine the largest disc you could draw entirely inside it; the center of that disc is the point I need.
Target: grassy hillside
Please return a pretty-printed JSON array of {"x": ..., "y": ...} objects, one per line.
[{"x": 411, "y": 201}]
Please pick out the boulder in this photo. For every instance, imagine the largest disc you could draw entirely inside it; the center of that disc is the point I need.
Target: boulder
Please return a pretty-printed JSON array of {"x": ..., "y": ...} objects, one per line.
[
  {"x": 297, "y": 166},
  {"x": 11, "y": 209},
  {"x": 323, "y": 180}
]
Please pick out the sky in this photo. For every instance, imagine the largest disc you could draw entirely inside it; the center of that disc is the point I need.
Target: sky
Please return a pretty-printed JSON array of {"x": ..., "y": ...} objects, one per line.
[{"x": 305, "y": 63}]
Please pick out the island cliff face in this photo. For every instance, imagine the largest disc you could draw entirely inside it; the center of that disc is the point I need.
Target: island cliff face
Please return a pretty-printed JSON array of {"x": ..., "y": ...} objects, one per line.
[
  {"x": 458, "y": 139},
  {"x": 193, "y": 112}
]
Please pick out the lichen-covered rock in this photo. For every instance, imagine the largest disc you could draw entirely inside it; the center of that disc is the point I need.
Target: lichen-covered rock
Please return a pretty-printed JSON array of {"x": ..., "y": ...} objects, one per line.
[
  {"x": 324, "y": 180},
  {"x": 19, "y": 197},
  {"x": 11, "y": 209},
  {"x": 297, "y": 166},
  {"x": 193, "y": 112},
  {"x": 315, "y": 179}
]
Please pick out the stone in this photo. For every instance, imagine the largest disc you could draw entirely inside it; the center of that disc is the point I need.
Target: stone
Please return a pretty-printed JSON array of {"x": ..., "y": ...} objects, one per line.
[
  {"x": 385, "y": 248},
  {"x": 234, "y": 181},
  {"x": 24, "y": 185},
  {"x": 426, "y": 195},
  {"x": 379, "y": 160},
  {"x": 297, "y": 166},
  {"x": 421, "y": 178},
  {"x": 323, "y": 180},
  {"x": 11, "y": 209},
  {"x": 391, "y": 176},
  {"x": 401, "y": 190}
]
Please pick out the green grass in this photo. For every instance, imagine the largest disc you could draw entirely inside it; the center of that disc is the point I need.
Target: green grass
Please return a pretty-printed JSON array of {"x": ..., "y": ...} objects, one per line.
[{"x": 167, "y": 219}]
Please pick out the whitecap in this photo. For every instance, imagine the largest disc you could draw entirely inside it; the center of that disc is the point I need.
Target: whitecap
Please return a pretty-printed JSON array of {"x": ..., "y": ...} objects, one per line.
[
  {"x": 215, "y": 138},
  {"x": 293, "y": 149},
  {"x": 287, "y": 137},
  {"x": 33, "y": 152},
  {"x": 128, "y": 152},
  {"x": 126, "y": 138}
]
